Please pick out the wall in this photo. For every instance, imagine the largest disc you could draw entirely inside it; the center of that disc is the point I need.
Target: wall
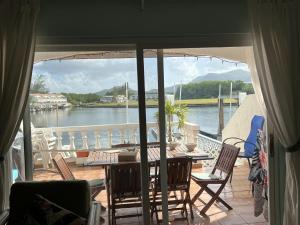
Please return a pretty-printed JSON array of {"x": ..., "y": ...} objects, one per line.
[{"x": 240, "y": 123}]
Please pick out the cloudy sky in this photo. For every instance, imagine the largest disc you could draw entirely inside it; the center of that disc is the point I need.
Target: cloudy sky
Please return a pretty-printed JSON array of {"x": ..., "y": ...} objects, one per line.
[{"x": 92, "y": 75}]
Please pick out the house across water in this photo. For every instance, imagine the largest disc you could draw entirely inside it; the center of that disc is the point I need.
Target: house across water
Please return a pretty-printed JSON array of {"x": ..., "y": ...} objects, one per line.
[{"x": 40, "y": 101}]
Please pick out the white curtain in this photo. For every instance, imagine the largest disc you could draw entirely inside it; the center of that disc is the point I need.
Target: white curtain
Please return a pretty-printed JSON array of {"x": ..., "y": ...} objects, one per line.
[
  {"x": 17, "y": 41},
  {"x": 276, "y": 47}
]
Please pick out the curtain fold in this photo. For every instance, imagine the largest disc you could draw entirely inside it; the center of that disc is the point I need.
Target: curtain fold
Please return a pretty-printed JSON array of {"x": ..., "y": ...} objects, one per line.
[
  {"x": 276, "y": 48},
  {"x": 17, "y": 42}
]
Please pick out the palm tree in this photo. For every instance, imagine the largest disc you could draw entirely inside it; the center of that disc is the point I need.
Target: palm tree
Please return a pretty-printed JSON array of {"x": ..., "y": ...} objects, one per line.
[{"x": 171, "y": 110}]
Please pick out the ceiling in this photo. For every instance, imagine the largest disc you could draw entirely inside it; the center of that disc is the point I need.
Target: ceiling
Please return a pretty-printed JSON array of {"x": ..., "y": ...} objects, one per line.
[{"x": 227, "y": 53}]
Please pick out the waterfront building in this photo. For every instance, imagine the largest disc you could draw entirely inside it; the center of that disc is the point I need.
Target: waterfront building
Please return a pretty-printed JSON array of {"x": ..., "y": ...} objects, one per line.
[
  {"x": 39, "y": 101},
  {"x": 107, "y": 99},
  {"x": 117, "y": 99},
  {"x": 120, "y": 98},
  {"x": 148, "y": 96}
]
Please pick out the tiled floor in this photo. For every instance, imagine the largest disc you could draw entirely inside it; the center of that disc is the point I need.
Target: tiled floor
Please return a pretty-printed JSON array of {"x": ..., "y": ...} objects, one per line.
[{"x": 237, "y": 194}]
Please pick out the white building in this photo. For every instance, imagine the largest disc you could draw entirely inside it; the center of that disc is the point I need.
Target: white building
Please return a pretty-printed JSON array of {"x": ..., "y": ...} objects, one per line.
[
  {"x": 49, "y": 98},
  {"x": 107, "y": 99},
  {"x": 148, "y": 96},
  {"x": 120, "y": 98},
  {"x": 117, "y": 99},
  {"x": 43, "y": 101}
]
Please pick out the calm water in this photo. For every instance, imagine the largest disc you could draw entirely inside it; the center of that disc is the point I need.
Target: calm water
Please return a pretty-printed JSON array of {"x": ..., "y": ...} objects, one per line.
[{"x": 206, "y": 117}]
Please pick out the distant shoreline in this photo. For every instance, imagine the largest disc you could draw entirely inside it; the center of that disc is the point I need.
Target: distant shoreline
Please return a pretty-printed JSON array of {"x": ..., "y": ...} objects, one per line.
[{"x": 154, "y": 104}]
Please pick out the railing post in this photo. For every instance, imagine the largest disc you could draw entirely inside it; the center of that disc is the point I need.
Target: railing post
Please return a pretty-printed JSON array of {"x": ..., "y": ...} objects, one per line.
[
  {"x": 72, "y": 141},
  {"x": 122, "y": 134},
  {"x": 109, "y": 138},
  {"x": 85, "y": 145},
  {"x": 97, "y": 140},
  {"x": 59, "y": 140}
]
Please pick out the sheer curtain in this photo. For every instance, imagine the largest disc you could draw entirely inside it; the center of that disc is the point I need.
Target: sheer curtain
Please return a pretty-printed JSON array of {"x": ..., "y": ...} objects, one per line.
[
  {"x": 276, "y": 48},
  {"x": 17, "y": 41}
]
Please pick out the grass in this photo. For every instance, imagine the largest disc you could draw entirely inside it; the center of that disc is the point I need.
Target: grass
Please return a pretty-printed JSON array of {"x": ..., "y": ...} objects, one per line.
[
  {"x": 206, "y": 101},
  {"x": 154, "y": 103}
]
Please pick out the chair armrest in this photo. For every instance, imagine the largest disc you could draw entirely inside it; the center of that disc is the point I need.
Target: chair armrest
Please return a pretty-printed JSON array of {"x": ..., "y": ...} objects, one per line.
[
  {"x": 4, "y": 217},
  {"x": 94, "y": 214}
]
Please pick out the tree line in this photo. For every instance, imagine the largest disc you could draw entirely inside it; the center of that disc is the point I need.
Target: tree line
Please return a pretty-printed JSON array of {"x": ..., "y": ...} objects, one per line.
[
  {"x": 204, "y": 89},
  {"x": 75, "y": 98},
  {"x": 210, "y": 89}
]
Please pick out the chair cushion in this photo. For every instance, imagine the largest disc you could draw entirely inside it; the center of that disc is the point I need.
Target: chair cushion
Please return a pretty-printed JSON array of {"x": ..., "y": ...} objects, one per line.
[
  {"x": 205, "y": 176},
  {"x": 42, "y": 211},
  {"x": 96, "y": 182}
]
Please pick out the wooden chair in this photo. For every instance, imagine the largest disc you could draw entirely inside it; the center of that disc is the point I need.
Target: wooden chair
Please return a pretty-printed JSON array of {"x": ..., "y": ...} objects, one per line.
[
  {"x": 125, "y": 189},
  {"x": 224, "y": 166},
  {"x": 178, "y": 180},
  {"x": 96, "y": 185}
]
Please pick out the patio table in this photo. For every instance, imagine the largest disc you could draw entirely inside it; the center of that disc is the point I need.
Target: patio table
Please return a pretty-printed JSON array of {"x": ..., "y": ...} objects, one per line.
[{"x": 108, "y": 157}]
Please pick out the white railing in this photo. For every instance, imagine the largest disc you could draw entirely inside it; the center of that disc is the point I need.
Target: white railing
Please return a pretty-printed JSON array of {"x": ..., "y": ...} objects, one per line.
[
  {"x": 95, "y": 136},
  {"x": 68, "y": 140},
  {"x": 210, "y": 146}
]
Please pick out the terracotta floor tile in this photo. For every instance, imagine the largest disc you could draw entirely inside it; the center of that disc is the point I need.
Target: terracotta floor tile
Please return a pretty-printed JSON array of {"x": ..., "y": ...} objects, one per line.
[{"x": 237, "y": 194}]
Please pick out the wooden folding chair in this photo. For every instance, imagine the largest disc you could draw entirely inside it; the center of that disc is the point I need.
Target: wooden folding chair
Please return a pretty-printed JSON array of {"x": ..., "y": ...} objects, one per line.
[
  {"x": 224, "y": 166},
  {"x": 125, "y": 189},
  {"x": 179, "y": 177},
  {"x": 96, "y": 185}
]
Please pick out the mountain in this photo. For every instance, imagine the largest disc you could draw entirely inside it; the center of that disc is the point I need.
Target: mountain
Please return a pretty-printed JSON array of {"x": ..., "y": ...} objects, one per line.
[
  {"x": 242, "y": 75},
  {"x": 103, "y": 92},
  {"x": 233, "y": 75}
]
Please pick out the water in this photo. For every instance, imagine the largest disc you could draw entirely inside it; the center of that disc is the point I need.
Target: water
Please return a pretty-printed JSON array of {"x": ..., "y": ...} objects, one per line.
[{"x": 205, "y": 117}]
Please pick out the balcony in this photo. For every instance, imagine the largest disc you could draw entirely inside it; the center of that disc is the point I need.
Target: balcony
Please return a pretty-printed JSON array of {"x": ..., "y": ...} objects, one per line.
[{"x": 237, "y": 194}]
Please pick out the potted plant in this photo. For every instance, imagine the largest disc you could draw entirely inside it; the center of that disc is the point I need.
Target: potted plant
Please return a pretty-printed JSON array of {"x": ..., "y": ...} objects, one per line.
[
  {"x": 172, "y": 110},
  {"x": 82, "y": 154}
]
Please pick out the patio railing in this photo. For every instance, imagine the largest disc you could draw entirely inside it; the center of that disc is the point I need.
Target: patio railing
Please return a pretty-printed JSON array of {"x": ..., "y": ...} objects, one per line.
[
  {"x": 210, "y": 146},
  {"x": 75, "y": 138}
]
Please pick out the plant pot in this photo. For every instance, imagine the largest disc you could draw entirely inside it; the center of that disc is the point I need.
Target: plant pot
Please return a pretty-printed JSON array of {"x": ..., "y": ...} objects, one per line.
[{"x": 82, "y": 154}]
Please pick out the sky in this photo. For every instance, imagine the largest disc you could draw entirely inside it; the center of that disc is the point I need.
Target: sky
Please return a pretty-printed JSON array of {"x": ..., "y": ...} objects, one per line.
[{"x": 92, "y": 75}]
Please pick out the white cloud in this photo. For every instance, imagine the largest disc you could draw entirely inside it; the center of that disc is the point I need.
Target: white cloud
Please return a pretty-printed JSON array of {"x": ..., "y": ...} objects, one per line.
[{"x": 92, "y": 75}]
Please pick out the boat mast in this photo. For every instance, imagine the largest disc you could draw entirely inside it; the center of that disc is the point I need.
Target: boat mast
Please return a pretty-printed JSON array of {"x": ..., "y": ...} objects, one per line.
[
  {"x": 180, "y": 92},
  {"x": 126, "y": 90},
  {"x": 230, "y": 103}
]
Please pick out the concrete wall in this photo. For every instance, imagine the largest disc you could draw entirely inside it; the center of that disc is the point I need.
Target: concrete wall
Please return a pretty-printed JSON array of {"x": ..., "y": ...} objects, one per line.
[
  {"x": 123, "y": 21},
  {"x": 240, "y": 123}
]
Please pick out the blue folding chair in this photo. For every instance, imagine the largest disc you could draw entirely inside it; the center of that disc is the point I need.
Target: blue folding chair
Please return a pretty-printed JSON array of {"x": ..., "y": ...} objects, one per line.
[{"x": 257, "y": 123}]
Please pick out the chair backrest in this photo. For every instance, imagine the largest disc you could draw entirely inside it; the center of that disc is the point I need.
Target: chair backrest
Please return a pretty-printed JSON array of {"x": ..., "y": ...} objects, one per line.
[
  {"x": 178, "y": 173},
  {"x": 62, "y": 167},
  {"x": 257, "y": 123},
  {"x": 226, "y": 159},
  {"x": 125, "y": 180}
]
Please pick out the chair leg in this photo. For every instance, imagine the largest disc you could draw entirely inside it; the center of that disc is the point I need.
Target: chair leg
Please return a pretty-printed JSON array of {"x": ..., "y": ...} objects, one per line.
[
  {"x": 231, "y": 175},
  {"x": 113, "y": 215},
  {"x": 190, "y": 204},
  {"x": 219, "y": 199},
  {"x": 215, "y": 196},
  {"x": 198, "y": 194},
  {"x": 155, "y": 208}
]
